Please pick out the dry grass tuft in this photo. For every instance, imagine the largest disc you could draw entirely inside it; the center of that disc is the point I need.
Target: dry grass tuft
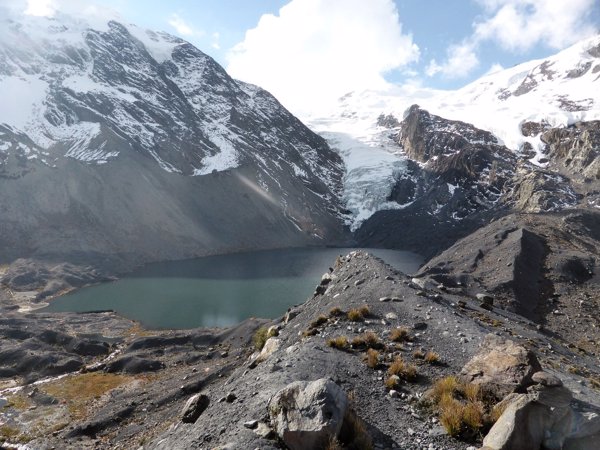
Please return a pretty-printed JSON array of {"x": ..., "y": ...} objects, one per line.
[
  {"x": 405, "y": 371},
  {"x": 472, "y": 392},
  {"x": 310, "y": 332},
  {"x": 451, "y": 416},
  {"x": 367, "y": 340},
  {"x": 318, "y": 321},
  {"x": 444, "y": 386},
  {"x": 336, "y": 311},
  {"x": 392, "y": 382},
  {"x": 400, "y": 334},
  {"x": 339, "y": 342},
  {"x": 431, "y": 357},
  {"x": 419, "y": 354},
  {"x": 372, "y": 358},
  {"x": 365, "y": 311},
  {"x": 461, "y": 408},
  {"x": 354, "y": 315}
]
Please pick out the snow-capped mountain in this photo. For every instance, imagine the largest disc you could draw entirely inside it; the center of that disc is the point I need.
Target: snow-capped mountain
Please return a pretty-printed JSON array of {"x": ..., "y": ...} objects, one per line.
[
  {"x": 118, "y": 140},
  {"x": 517, "y": 106}
]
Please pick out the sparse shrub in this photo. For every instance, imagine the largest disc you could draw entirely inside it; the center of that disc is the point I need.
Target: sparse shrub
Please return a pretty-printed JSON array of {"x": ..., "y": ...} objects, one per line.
[
  {"x": 446, "y": 385},
  {"x": 340, "y": 343},
  {"x": 400, "y": 334},
  {"x": 405, "y": 371},
  {"x": 260, "y": 337},
  {"x": 461, "y": 408},
  {"x": 392, "y": 382},
  {"x": 367, "y": 340},
  {"x": 354, "y": 315},
  {"x": 471, "y": 391},
  {"x": 472, "y": 415},
  {"x": 372, "y": 358},
  {"x": 364, "y": 310},
  {"x": 318, "y": 321},
  {"x": 336, "y": 311},
  {"x": 310, "y": 332},
  {"x": 431, "y": 357},
  {"x": 419, "y": 354},
  {"x": 451, "y": 417}
]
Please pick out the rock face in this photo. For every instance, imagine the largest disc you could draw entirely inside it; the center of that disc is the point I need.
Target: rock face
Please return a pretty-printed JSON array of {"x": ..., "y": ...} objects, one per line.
[
  {"x": 457, "y": 179},
  {"x": 576, "y": 149},
  {"x": 308, "y": 414},
  {"x": 501, "y": 367},
  {"x": 140, "y": 147}
]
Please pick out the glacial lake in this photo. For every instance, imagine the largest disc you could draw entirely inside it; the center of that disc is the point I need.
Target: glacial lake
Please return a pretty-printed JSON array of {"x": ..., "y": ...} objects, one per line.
[{"x": 218, "y": 291}]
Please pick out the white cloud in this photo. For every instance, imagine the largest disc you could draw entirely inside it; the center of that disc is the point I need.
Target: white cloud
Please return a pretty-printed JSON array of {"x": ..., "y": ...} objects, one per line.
[
  {"x": 518, "y": 26},
  {"x": 41, "y": 8},
  {"x": 182, "y": 27},
  {"x": 461, "y": 60},
  {"x": 314, "y": 51},
  {"x": 216, "y": 41}
]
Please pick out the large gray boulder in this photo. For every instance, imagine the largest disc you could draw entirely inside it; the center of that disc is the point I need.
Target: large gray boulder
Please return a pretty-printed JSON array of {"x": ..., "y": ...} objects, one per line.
[
  {"x": 543, "y": 418},
  {"x": 501, "y": 367},
  {"x": 306, "y": 415}
]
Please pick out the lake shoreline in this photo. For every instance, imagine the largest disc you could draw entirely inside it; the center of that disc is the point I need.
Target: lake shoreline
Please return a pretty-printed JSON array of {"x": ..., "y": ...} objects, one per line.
[{"x": 242, "y": 272}]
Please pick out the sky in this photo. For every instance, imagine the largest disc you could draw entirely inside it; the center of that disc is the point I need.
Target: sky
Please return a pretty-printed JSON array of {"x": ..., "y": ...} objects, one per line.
[{"x": 311, "y": 52}]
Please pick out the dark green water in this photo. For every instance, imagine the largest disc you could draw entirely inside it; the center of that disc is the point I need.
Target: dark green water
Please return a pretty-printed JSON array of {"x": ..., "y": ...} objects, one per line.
[{"x": 218, "y": 290}]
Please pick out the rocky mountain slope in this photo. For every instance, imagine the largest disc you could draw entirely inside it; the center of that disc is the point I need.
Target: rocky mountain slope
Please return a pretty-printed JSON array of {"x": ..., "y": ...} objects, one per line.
[
  {"x": 517, "y": 106},
  {"x": 211, "y": 389},
  {"x": 120, "y": 145}
]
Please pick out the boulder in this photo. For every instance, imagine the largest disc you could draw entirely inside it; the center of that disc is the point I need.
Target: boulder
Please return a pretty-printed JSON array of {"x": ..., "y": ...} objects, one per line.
[
  {"x": 194, "y": 407},
  {"x": 307, "y": 415},
  {"x": 543, "y": 418},
  {"x": 521, "y": 426},
  {"x": 501, "y": 367}
]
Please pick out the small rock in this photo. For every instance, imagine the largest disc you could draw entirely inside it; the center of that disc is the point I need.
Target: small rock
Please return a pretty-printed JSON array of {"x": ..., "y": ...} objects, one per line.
[
  {"x": 359, "y": 282},
  {"x": 231, "y": 397},
  {"x": 546, "y": 379},
  {"x": 410, "y": 431},
  {"x": 385, "y": 299},
  {"x": 251, "y": 424},
  {"x": 391, "y": 316},
  {"x": 394, "y": 393},
  {"x": 264, "y": 431},
  {"x": 194, "y": 407}
]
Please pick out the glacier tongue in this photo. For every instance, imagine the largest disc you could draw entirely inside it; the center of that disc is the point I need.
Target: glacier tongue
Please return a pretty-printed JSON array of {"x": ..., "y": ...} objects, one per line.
[{"x": 372, "y": 161}]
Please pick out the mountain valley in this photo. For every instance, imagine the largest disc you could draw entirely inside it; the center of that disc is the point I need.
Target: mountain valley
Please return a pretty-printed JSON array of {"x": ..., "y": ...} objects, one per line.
[{"x": 134, "y": 147}]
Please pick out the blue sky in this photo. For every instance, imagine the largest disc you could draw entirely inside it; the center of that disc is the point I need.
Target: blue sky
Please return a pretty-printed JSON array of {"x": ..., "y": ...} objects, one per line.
[{"x": 296, "y": 48}]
